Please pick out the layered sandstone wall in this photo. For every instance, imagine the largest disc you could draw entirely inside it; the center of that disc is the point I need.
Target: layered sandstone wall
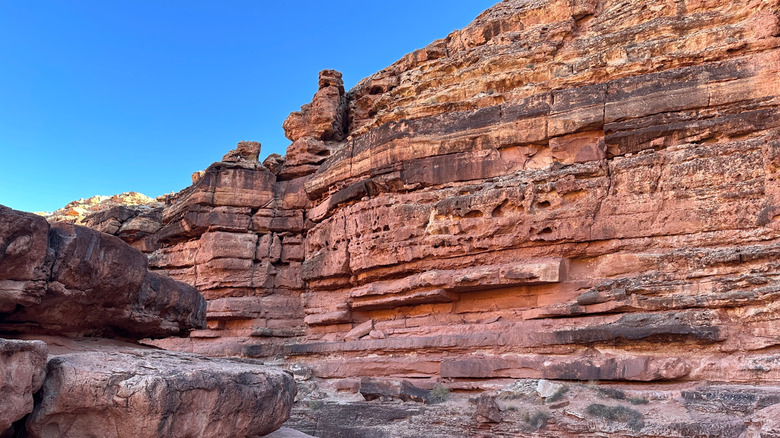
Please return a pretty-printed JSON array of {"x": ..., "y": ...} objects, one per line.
[
  {"x": 564, "y": 189},
  {"x": 609, "y": 166}
]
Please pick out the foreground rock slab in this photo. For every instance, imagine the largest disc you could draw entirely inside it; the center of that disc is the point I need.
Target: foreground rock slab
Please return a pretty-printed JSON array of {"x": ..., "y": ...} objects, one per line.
[
  {"x": 150, "y": 393},
  {"x": 22, "y": 365}
]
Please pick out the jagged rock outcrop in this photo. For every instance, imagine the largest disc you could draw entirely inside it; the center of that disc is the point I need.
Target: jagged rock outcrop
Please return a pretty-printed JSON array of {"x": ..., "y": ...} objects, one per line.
[
  {"x": 317, "y": 129},
  {"x": 565, "y": 189},
  {"x": 22, "y": 365},
  {"x": 77, "y": 212}
]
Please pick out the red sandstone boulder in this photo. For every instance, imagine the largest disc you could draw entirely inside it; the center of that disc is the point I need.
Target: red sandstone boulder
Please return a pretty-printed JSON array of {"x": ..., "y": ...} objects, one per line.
[
  {"x": 22, "y": 370},
  {"x": 79, "y": 271},
  {"x": 148, "y": 393}
]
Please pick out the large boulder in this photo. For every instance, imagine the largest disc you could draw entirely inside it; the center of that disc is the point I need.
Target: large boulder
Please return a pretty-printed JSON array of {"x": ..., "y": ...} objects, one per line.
[
  {"x": 22, "y": 365},
  {"x": 141, "y": 393},
  {"x": 69, "y": 279}
]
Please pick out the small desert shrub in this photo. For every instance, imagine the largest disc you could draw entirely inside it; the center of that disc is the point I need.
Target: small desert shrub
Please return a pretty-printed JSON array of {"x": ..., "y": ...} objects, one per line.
[
  {"x": 537, "y": 420},
  {"x": 557, "y": 395},
  {"x": 613, "y": 393},
  {"x": 622, "y": 414},
  {"x": 439, "y": 394},
  {"x": 638, "y": 401}
]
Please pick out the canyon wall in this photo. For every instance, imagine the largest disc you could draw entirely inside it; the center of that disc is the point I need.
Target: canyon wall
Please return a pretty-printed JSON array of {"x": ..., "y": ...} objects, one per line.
[{"x": 573, "y": 190}]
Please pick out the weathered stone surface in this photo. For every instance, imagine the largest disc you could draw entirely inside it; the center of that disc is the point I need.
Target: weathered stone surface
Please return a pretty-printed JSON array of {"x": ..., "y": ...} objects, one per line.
[
  {"x": 286, "y": 432},
  {"x": 246, "y": 151},
  {"x": 766, "y": 423},
  {"x": 22, "y": 370},
  {"x": 513, "y": 408},
  {"x": 372, "y": 389},
  {"x": 78, "y": 212},
  {"x": 324, "y": 118},
  {"x": 148, "y": 393},
  {"x": 53, "y": 284},
  {"x": 360, "y": 331},
  {"x": 563, "y": 190},
  {"x": 24, "y": 258}
]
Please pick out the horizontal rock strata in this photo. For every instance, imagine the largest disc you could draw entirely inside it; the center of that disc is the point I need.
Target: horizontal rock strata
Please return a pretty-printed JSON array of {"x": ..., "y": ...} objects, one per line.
[{"x": 564, "y": 189}]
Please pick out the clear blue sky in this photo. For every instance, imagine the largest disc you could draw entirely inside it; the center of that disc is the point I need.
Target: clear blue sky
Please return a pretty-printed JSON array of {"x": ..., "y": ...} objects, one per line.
[{"x": 104, "y": 97}]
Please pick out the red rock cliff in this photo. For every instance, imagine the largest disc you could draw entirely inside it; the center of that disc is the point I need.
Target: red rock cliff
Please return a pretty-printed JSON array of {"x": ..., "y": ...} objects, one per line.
[{"x": 565, "y": 189}]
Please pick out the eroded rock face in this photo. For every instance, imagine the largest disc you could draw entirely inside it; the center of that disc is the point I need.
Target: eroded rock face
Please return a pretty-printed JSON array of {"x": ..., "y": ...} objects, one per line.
[
  {"x": 70, "y": 280},
  {"x": 24, "y": 257},
  {"x": 77, "y": 212},
  {"x": 22, "y": 370},
  {"x": 246, "y": 151},
  {"x": 567, "y": 190},
  {"x": 324, "y": 118},
  {"x": 576, "y": 189},
  {"x": 132, "y": 224},
  {"x": 148, "y": 393}
]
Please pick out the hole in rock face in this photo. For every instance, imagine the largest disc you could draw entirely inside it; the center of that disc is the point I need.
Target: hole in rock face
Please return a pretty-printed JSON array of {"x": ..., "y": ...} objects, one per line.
[
  {"x": 544, "y": 204},
  {"x": 546, "y": 230},
  {"x": 473, "y": 214},
  {"x": 386, "y": 228},
  {"x": 504, "y": 209}
]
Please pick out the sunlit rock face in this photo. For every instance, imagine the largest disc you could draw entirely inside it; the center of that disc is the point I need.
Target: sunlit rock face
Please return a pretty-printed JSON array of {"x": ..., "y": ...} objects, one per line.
[
  {"x": 574, "y": 190},
  {"x": 77, "y": 211}
]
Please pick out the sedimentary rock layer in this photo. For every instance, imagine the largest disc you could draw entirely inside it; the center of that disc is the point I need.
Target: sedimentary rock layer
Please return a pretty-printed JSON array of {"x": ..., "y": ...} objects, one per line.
[
  {"x": 562, "y": 178},
  {"x": 564, "y": 189}
]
